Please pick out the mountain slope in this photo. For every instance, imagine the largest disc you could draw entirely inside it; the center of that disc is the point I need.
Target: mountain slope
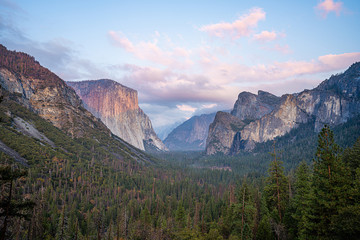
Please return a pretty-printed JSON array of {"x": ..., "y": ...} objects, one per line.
[
  {"x": 190, "y": 135},
  {"x": 334, "y": 101},
  {"x": 117, "y": 107},
  {"x": 45, "y": 93},
  {"x": 25, "y": 83}
]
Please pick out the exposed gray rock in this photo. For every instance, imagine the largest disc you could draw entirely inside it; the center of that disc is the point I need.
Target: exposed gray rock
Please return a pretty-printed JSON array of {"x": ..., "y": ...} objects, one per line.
[
  {"x": 28, "y": 129},
  {"x": 249, "y": 106},
  {"x": 222, "y": 132},
  {"x": 333, "y": 102}
]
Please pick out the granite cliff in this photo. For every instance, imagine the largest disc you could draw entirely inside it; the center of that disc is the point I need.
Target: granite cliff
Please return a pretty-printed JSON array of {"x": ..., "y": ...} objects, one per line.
[
  {"x": 44, "y": 93},
  {"x": 117, "y": 107},
  {"x": 191, "y": 134},
  {"x": 333, "y": 102},
  {"x": 249, "y": 106},
  {"x": 222, "y": 132}
]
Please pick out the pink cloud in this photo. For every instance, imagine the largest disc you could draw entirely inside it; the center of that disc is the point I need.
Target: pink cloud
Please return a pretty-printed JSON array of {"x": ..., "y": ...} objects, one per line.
[
  {"x": 266, "y": 36},
  {"x": 212, "y": 77},
  {"x": 237, "y": 29},
  {"x": 328, "y": 6},
  {"x": 176, "y": 57},
  {"x": 243, "y": 75},
  {"x": 121, "y": 41},
  {"x": 339, "y": 61}
]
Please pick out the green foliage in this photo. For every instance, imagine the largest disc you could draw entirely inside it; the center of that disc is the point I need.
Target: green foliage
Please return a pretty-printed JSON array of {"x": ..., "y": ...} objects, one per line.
[
  {"x": 299, "y": 209},
  {"x": 277, "y": 190},
  {"x": 96, "y": 187},
  {"x": 11, "y": 204},
  {"x": 334, "y": 201},
  {"x": 327, "y": 185}
]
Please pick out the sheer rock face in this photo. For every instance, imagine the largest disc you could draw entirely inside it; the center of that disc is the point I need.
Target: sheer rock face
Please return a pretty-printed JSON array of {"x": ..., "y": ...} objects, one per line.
[
  {"x": 333, "y": 102},
  {"x": 117, "y": 107},
  {"x": 45, "y": 93},
  {"x": 222, "y": 132},
  {"x": 249, "y": 106},
  {"x": 277, "y": 123},
  {"x": 190, "y": 135}
]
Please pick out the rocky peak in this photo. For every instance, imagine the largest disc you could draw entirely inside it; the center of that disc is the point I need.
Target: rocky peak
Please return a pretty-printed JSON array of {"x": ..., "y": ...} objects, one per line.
[
  {"x": 250, "y": 106},
  {"x": 45, "y": 93},
  {"x": 346, "y": 84},
  {"x": 333, "y": 102},
  {"x": 117, "y": 106}
]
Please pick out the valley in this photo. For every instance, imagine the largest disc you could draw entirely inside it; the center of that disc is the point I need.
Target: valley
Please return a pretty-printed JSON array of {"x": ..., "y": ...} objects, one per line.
[{"x": 80, "y": 160}]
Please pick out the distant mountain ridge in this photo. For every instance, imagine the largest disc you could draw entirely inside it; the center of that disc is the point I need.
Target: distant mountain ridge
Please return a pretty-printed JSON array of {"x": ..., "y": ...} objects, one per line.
[
  {"x": 265, "y": 116},
  {"x": 117, "y": 106},
  {"x": 191, "y": 134}
]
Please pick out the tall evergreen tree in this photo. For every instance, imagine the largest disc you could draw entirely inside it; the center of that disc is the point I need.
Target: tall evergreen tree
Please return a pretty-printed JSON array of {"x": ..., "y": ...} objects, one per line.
[
  {"x": 11, "y": 207},
  {"x": 277, "y": 195},
  {"x": 329, "y": 183},
  {"x": 276, "y": 188},
  {"x": 301, "y": 201},
  {"x": 180, "y": 216},
  {"x": 349, "y": 210}
]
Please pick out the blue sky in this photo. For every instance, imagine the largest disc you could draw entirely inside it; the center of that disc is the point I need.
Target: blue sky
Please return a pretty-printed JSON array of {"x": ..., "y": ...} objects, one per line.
[{"x": 187, "y": 57}]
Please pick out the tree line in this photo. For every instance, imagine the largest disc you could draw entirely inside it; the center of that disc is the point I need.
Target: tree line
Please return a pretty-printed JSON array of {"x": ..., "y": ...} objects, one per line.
[{"x": 63, "y": 198}]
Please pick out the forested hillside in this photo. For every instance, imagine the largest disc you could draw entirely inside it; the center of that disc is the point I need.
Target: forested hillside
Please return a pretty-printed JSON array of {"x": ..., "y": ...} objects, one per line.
[{"x": 77, "y": 189}]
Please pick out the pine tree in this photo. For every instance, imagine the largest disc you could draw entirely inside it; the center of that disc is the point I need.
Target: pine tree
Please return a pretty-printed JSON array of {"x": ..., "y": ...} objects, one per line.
[
  {"x": 276, "y": 189},
  {"x": 264, "y": 230},
  {"x": 180, "y": 216},
  {"x": 62, "y": 230},
  {"x": 276, "y": 193},
  {"x": 329, "y": 183},
  {"x": 349, "y": 210},
  {"x": 301, "y": 200},
  {"x": 9, "y": 206}
]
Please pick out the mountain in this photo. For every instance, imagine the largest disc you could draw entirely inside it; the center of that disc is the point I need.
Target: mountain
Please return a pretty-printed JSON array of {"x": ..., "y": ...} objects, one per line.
[
  {"x": 41, "y": 117},
  {"x": 334, "y": 101},
  {"x": 164, "y": 131},
  {"x": 117, "y": 107},
  {"x": 45, "y": 93},
  {"x": 221, "y": 133},
  {"x": 250, "y": 106},
  {"x": 190, "y": 135}
]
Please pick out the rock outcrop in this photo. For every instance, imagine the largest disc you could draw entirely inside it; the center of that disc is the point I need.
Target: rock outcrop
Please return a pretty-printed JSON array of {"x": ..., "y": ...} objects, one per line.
[
  {"x": 117, "y": 107},
  {"x": 222, "y": 132},
  {"x": 45, "y": 93},
  {"x": 190, "y": 135},
  {"x": 333, "y": 102},
  {"x": 249, "y": 106}
]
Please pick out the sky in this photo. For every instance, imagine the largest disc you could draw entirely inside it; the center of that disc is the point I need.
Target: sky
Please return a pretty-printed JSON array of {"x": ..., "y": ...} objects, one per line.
[{"x": 184, "y": 57}]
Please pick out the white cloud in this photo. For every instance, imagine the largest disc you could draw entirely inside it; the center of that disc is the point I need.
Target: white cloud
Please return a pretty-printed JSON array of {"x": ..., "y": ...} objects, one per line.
[
  {"x": 186, "y": 108},
  {"x": 212, "y": 105}
]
